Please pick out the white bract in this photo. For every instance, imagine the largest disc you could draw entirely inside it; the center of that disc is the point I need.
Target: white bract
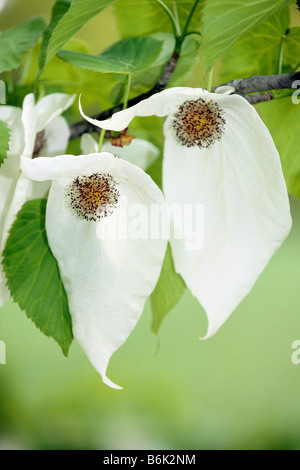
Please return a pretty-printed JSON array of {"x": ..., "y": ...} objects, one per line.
[
  {"x": 140, "y": 152},
  {"x": 107, "y": 280},
  {"x": 34, "y": 129},
  {"x": 219, "y": 154}
]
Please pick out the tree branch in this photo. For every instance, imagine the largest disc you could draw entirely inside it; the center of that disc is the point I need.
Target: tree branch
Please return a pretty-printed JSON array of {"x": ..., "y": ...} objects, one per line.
[
  {"x": 259, "y": 97},
  {"x": 243, "y": 86}
]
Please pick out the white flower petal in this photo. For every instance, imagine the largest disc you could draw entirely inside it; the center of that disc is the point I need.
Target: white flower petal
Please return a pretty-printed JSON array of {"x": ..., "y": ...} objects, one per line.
[
  {"x": 225, "y": 90},
  {"x": 56, "y": 140},
  {"x": 88, "y": 144},
  {"x": 30, "y": 124},
  {"x": 140, "y": 152},
  {"x": 36, "y": 117},
  {"x": 52, "y": 106},
  {"x": 160, "y": 104},
  {"x": 66, "y": 166},
  {"x": 57, "y": 134},
  {"x": 15, "y": 188},
  {"x": 239, "y": 181},
  {"x": 107, "y": 280},
  {"x": 12, "y": 117},
  {"x": 9, "y": 173}
]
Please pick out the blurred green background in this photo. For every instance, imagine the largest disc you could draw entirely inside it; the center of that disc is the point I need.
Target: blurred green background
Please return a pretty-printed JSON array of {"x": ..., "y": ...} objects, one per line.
[{"x": 237, "y": 390}]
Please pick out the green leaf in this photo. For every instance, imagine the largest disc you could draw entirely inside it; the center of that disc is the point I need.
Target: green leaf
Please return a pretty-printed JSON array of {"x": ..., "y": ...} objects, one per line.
[
  {"x": 16, "y": 42},
  {"x": 257, "y": 52},
  {"x": 63, "y": 77},
  {"x": 291, "y": 55},
  {"x": 33, "y": 276},
  {"x": 126, "y": 56},
  {"x": 167, "y": 292},
  {"x": 225, "y": 22},
  {"x": 285, "y": 133},
  {"x": 79, "y": 14},
  {"x": 148, "y": 77},
  {"x": 187, "y": 62},
  {"x": 117, "y": 94},
  {"x": 4, "y": 141},
  {"x": 153, "y": 18},
  {"x": 59, "y": 9}
]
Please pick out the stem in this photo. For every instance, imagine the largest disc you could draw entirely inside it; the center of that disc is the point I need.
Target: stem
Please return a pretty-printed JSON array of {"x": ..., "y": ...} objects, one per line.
[
  {"x": 281, "y": 54},
  {"x": 187, "y": 24},
  {"x": 9, "y": 82},
  {"x": 101, "y": 139},
  {"x": 297, "y": 66},
  {"x": 127, "y": 91},
  {"x": 193, "y": 32},
  {"x": 24, "y": 72},
  {"x": 210, "y": 79},
  {"x": 175, "y": 25},
  {"x": 176, "y": 16}
]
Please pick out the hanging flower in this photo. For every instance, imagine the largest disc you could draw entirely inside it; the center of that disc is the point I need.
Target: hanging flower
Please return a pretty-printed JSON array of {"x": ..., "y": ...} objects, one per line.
[
  {"x": 218, "y": 153},
  {"x": 140, "y": 152},
  {"x": 107, "y": 278},
  {"x": 36, "y": 129}
]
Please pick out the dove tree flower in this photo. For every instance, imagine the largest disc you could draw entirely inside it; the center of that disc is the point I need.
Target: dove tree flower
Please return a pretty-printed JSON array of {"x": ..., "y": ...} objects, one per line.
[
  {"x": 35, "y": 129},
  {"x": 107, "y": 280},
  {"x": 218, "y": 153}
]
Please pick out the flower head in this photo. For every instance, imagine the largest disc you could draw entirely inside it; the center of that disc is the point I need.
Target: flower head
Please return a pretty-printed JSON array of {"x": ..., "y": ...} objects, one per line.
[
  {"x": 107, "y": 279},
  {"x": 93, "y": 197},
  {"x": 36, "y": 129},
  {"x": 219, "y": 153},
  {"x": 199, "y": 123}
]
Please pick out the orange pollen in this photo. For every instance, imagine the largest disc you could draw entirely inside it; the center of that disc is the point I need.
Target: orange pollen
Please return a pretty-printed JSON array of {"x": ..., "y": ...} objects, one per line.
[
  {"x": 199, "y": 123},
  {"x": 93, "y": 197}
]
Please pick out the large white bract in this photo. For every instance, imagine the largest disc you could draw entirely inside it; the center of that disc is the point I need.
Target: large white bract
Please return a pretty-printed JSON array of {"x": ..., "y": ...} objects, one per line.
[
  {"x": 218, "y": 153},
  {"x": 140, "y": 152},
  {"x": 107, "y": 278},
  {"x": 36, "y": 129}
]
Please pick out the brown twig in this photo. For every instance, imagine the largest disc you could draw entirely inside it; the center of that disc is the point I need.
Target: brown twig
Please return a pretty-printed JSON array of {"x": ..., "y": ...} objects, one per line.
[
  {"x": 259, "y": 97},
  {"x": 244, "y": 86}
]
